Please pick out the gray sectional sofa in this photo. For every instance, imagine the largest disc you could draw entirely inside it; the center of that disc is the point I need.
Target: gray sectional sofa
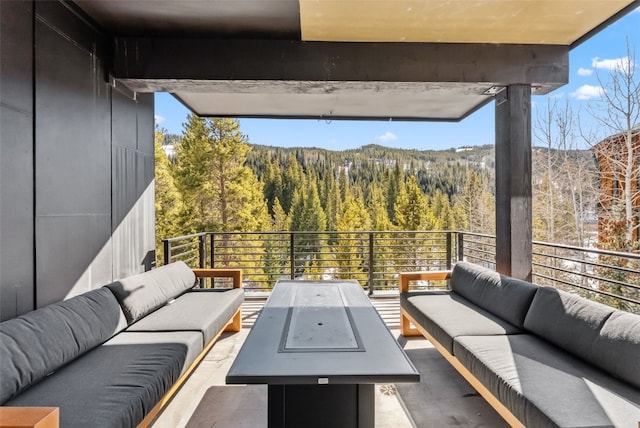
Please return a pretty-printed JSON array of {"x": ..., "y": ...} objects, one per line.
[
  {"x": 540, "y": 356},
  {"x": 113, "y": 356}
]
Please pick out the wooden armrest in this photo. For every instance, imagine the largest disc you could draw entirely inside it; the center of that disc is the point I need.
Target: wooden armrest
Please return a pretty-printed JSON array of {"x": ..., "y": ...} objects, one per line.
[
  {"x": 430, "y": 275},
  {"x": 29, "y": 417},
  {"x": 235, "y": 274}
]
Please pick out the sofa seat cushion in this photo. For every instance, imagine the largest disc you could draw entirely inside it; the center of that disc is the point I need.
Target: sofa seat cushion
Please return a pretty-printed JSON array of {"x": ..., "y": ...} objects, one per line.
[
  {"x": 207, "y": 310},
  {"x": 544, "y": 386},
  {"x": 143, "y": 293},
  {"x": 118, "y": 383},
  {"x": 506, "y": 297},
  {"x": 39, "y": 342},
  {"x": 446, "y": 315}
]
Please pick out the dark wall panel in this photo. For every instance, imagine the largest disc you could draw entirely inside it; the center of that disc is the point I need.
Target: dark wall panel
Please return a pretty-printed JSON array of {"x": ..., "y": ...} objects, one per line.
[
  {"x": 77, "y": 196},
  {"x": 73, "y": 159},
  {"x": 16, "y": 158},
  {"x": 146, "y": 121},
  {"x": 133, "y": 191},
  {"x": 75, "y": 255},
  {"x": 72, "y": 129},
  {"x": 124, "y": 132}
]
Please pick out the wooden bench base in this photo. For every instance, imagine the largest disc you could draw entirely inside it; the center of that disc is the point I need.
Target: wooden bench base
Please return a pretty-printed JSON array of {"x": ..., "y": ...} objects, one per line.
[
  {"x": 29, "y": 417},
  {"x": 429, "y": 275}
]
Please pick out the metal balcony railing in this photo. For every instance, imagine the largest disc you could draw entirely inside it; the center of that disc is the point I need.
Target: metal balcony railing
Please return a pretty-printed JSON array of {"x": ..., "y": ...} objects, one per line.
[
  {"x": 375, "y": 258},
  {"x": 610, "y": 277}
]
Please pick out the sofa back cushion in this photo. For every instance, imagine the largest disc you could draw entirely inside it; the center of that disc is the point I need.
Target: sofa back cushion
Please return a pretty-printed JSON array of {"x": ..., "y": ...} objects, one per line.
[
  {"x": 567, "y": 320},
  {"x": 506, "y": 297},
  {"x": 143, "y": 293},
  {"x": 617, "y": 347},
  {"x": 37, "y": 343}
]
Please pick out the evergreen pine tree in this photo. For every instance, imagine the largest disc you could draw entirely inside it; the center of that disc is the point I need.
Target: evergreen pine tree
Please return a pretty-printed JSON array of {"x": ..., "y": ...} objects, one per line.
[
  {"x": 168, "y": 203},
  {"x": 394, "y": 186},
  {"x": 192, "y": 176},
  {"x": 351, "y": 249},
  {"x": 411, "y": 208}
]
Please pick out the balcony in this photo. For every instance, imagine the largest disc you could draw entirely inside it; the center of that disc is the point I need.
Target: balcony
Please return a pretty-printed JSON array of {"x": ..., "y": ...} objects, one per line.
[
  {"x": 77, "y": 147},
  {"x": 443, "y": 397}
]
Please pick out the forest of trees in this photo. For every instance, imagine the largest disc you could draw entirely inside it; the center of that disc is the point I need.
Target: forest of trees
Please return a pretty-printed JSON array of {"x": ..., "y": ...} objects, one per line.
[{"x": 218, "y": 182}]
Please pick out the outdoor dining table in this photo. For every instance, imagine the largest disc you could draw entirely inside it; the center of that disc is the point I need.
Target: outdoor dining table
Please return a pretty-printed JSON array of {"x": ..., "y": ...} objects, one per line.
[{"x": 320, "y": 346}]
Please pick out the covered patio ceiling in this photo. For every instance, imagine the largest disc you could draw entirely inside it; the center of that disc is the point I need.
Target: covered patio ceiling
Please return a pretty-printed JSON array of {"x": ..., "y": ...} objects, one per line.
[{"x": 385, "y": 59}]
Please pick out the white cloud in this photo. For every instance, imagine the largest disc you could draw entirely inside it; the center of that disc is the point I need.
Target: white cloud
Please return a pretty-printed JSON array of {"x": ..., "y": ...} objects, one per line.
[
  {"x": 387, "y": 136},
  {"x": 585, "y": 71},
  {"x": 159, "y": 119},
  {"x": 621, "y": 64},
  {"x": 587, "y": 92}
]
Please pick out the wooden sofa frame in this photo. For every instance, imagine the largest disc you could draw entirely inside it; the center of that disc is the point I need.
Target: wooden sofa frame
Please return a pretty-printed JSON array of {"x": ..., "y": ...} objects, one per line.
[
  {"x": 48, "y": 417},
  {"x": 407, "y": 330}
]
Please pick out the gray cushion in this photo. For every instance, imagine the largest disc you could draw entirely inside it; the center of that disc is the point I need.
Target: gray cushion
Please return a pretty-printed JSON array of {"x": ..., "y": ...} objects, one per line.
[
  {"x": 146, "y": 292},
  {"x": 567, "y": 320},
  {"x": 544, "y": 386},
  {"x": 37, "y": 343},
  {"x": 506, "y": 297},
  {"x": 463, "y": 275},
  {"x": 207, "y": 310},
  {"x": 446, "y": 315},
  {"x": 617, "y": 348},
  {"x": 117, "y": 384},
  {"x": 192, "y": 340}
]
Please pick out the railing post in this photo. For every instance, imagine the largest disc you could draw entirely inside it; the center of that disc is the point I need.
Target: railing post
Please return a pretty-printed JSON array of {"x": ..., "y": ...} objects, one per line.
[
  {"x": 212, "y": 258},
  {"x": 167, "y": 251},
  {"x": 448, "y": 258},
  {"x": 201, "y": 257},
  {"x": 460, "y": 246},
  {"x": 292, "y": 258},
  {"x": 371, "y": 260},
  {"x": 201, "y": 251}
]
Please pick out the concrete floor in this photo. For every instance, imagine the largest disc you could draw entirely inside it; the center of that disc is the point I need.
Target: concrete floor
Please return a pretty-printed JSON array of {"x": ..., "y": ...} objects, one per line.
[{"x": 441, "y": 399}]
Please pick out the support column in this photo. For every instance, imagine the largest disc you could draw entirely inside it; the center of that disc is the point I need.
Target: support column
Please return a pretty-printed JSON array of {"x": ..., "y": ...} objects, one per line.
[{"x": 513, "y": 182}]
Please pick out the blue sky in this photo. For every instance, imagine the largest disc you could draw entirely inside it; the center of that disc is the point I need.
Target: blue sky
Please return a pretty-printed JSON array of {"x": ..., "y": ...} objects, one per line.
[{"x": 591, "y": 57}]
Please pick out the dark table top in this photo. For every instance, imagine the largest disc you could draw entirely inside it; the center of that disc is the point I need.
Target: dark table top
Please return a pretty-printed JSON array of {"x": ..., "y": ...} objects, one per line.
[{"x": 319, "y": 332}]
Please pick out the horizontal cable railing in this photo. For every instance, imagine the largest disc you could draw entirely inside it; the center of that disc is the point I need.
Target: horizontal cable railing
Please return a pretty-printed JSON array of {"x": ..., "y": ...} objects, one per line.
[
  {"x": 477, "y": 248},
  {"x": 375, "y": 258},
  {"x": 609, "y": 277}
]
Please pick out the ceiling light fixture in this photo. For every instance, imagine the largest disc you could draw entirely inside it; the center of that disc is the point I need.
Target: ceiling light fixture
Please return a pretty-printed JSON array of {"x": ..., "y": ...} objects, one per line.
[{"x": 493, "y": 90}]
